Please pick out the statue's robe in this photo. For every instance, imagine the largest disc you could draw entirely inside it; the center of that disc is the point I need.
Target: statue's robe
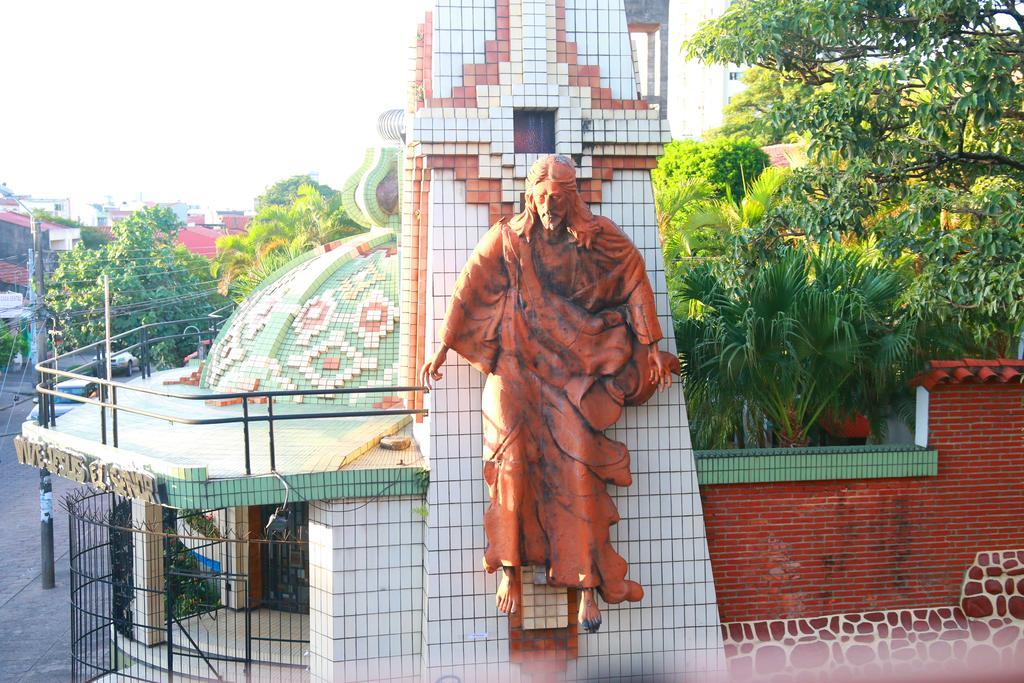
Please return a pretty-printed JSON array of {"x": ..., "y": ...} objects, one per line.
[{"x": 562, "y": 332}]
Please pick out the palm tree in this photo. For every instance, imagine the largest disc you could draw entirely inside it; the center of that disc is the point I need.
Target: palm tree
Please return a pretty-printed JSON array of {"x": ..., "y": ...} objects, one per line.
[
  {"x": 812, "y": 333},
  {"x": 277, "y": 232}
]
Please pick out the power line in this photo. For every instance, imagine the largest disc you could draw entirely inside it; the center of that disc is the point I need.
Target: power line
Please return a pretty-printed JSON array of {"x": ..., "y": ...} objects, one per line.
[
  {"x": 136, "y": 307},
  {"x": 154, "y": 273}
]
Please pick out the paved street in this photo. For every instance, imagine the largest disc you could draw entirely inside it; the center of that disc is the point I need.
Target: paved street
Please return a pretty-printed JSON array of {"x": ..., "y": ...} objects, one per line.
[{"x": 35, "y": 624}]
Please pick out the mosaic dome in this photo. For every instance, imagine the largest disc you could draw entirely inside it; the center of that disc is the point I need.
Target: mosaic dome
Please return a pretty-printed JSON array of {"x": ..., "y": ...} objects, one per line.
[{"x": 327, "y": 320}]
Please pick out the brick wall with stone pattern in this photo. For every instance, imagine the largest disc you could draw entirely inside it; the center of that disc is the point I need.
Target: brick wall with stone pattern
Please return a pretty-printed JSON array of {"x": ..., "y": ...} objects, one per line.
[{"x": 804, "y": 549}]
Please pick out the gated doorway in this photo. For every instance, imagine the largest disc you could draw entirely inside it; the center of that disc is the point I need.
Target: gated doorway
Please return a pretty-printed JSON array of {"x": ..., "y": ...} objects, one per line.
[{"x": 160, "y": 599}]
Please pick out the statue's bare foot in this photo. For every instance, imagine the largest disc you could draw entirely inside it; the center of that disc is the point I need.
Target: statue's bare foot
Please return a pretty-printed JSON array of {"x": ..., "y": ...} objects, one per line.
[
  {"x": 509, "y": 595},
  {"x": 590, "y": 615}
]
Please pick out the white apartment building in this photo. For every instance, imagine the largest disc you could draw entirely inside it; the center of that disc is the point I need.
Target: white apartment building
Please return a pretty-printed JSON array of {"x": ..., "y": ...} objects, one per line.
[{"x": 697, "y": 92}]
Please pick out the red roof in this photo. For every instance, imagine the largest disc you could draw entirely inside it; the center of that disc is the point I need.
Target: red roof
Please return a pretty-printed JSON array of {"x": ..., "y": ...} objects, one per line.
[
  {"x": 779, "y": 155},
  {"x": 23, "y": 220},
  {"x": 235, "y": 224},
  {"x": 970, "y": 371},
  {"x": 11, "y": 274},
  {"x": 199, "y": 240}
]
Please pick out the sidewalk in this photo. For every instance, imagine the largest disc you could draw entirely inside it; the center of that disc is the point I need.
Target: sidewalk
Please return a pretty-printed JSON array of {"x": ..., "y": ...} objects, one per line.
[{"x": 35, "y": 624}]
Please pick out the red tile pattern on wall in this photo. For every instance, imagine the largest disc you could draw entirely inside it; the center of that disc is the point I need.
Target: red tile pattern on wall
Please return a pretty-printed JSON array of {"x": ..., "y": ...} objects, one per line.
[
  {"x": 414, "y": 278},
  {"x": 800, "y": 549},
  {"x": 497, "y": 51}
]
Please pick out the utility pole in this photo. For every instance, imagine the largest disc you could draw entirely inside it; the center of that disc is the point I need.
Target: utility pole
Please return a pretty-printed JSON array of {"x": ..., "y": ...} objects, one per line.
[
  {"x": 45, "y": 484},
  {"x": 36, "y": 261}
]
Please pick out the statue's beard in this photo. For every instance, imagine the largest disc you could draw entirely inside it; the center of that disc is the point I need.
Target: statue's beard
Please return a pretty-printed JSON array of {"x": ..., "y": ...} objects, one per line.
[{"x": 552, "y": 223}]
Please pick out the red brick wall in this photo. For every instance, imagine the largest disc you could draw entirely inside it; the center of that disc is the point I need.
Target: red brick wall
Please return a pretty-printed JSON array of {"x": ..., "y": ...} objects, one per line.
[{"x": 797, "y": 549}]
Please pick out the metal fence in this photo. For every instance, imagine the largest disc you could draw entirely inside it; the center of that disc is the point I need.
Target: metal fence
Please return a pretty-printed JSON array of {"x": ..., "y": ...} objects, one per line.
[
  {"x": 139, "y": 340},
  {"x": 185, "y": 596}
]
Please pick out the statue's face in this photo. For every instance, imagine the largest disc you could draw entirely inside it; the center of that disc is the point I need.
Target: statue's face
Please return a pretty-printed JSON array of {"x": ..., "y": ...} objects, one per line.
[{"x": 552, "y": 205}]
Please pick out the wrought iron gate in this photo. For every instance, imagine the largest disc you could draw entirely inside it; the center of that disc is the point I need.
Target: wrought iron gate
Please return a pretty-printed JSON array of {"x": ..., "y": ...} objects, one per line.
[{"x": 208, "y": 627}]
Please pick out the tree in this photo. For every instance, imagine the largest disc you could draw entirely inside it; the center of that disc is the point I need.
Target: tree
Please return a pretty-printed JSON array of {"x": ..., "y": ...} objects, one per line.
[
  {"x": 813, "y": 333},
  {"x": 11, "y": 344},
  {"x": 749, "y": 113},
  {"x": 703, "y": 227},
  {"x": 722, "y": 163},
  {"x": 284, "y": 192},
  {"x": 915, "y": 121},
  {"x": 277, "y": 234},
  {"x": 152, "y": 279}
]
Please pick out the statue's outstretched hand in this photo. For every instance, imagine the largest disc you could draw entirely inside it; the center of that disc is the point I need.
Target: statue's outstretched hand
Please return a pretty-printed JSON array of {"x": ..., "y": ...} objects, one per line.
[
  {"x": 431, "y": 371},
  {"x": 662, "y": 366}
]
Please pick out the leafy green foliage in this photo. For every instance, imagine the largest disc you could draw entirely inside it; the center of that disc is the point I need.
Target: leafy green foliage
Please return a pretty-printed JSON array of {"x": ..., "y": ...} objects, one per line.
[
  {"x": 284, "y": 192},
  {"x": 810, "y": 333},
  {"x": 11, "y": 344},
  {"x": 698, "y": 226},
  {"x": 724, "y": 164},
  {"x": 915, "y": 116},
  {"x": 749, "y": 113},
  {"x": 277, "y": 234},
  {"x": 152, "y": 279}
]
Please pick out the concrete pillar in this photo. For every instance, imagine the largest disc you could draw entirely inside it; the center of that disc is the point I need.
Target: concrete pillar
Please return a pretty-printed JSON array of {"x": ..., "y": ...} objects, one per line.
[
  {"x": 148, "y": 616},
  {"x": 234, "y": 555},
  {"x": 366, "y": 590}
]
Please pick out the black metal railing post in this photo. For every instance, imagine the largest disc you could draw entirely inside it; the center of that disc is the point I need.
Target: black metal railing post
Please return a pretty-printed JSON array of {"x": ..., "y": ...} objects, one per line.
[
  {"x": 103, "y": 413},
  {"x": 270, "y": 427},
  {"x": 169, "y": 597},
  {"x": 144, "y": 352},
  {"x": 248, "y": 634},
  {"x": 245, "y": 431},
  {"x": 113, "y": 412},
  {"x": 52, "y": 403},
  {"x": 42, "y": 403}
]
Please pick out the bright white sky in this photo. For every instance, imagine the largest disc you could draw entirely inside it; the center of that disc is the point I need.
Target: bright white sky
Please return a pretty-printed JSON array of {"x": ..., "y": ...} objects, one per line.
[{"x": 192, "y": 100}]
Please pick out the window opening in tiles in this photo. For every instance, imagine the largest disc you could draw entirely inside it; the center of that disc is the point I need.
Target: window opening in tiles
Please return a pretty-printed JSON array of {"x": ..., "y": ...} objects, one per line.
[{"x": 533, "y": 131}]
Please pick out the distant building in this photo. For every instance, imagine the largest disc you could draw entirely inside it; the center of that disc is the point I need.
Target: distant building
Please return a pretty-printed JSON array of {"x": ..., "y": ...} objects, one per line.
[
  {"x": 200, "y": 240},
  {"x": 60, "y": 207},
  {"x": 699, "y": 92},
  {"x": 16, "y": 236},
  {"x": 13, "y": 277},
  {"x": 648, "y": 25},
  {"x": 690, "y": 95},
  {"x": 203, "y": 229}
]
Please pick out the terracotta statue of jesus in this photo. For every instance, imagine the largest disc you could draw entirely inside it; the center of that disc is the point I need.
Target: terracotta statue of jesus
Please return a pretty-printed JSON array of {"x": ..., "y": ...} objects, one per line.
[{"x": 555, "y": 306}]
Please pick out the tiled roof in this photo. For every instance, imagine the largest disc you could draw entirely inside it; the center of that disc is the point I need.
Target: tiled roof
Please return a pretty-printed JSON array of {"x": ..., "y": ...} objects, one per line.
[
  {"x": 23, "y": 221},
  {"x": 970, "y": 371},
  {"x": 327, "y": 320},
  {"x": 779, "y": 155},
  {"x": 200, "y": 240},
  {"x": 11, "y": 274}
]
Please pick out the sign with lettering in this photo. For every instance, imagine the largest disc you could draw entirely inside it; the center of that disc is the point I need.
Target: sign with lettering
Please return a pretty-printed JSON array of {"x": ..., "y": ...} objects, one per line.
[{"x": 102, "y": 475}]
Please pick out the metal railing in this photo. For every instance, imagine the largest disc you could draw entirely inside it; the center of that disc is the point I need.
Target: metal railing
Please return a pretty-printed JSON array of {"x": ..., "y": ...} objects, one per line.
[{"x": 107, "y": 399}]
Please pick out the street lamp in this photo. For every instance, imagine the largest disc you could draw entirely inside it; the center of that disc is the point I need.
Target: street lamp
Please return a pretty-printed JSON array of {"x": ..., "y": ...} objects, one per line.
[{"x": 39, "y": 345}]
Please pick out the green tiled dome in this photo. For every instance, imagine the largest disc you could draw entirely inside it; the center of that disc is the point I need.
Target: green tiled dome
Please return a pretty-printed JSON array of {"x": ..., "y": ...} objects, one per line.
[{"x": 327, "y": 320}]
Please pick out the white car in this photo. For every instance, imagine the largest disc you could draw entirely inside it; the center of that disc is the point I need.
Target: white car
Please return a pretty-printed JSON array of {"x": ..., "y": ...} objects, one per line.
[{"x": 123, "y": 362}]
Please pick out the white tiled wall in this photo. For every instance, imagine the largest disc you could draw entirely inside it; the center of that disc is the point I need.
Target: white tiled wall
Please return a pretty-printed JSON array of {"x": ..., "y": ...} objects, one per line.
[
  {"x": 461, "y": 27},
  {"x": 598, "y": 27},
  {"x": 366, "y": 589},
  {"x": 466, "y": 635}
]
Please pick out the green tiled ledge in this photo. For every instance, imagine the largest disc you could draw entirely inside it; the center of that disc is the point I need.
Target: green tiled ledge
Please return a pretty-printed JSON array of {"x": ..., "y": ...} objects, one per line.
[
  {"x": 755, "y": 465},
  {"x": 267, "y": 490}
]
